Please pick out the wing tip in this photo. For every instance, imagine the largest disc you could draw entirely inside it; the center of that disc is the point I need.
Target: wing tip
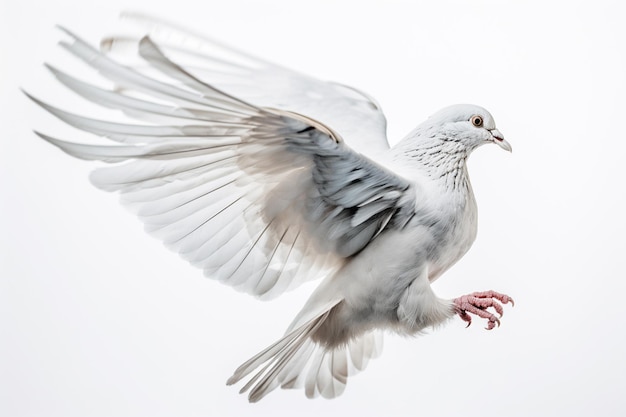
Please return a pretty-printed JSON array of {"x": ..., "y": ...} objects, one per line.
[
  {"x": 52, "y": 140},
  {"x": 66, "y": 31}
]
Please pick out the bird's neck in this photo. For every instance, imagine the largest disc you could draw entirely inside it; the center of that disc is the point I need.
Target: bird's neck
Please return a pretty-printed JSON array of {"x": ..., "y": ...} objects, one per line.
[{"x": 443, "y": 161}]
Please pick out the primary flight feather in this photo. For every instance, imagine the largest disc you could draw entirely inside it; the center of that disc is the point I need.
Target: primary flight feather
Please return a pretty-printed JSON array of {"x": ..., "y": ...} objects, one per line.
[{"x": 264, "y": 178}]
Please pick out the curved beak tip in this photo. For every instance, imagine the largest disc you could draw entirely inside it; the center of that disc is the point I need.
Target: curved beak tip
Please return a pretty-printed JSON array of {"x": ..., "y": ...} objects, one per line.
[
  {"x": 498, "y": 139},
  {"x": 504, "y": 145}
]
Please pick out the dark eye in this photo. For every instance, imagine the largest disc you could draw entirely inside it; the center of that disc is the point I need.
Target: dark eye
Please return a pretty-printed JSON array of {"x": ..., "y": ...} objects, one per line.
[{"x": 477, "y": 121}]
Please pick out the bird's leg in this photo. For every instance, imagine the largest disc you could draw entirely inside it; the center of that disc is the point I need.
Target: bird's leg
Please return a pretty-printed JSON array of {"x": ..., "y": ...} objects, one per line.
[{"x": 477, "y": 303}]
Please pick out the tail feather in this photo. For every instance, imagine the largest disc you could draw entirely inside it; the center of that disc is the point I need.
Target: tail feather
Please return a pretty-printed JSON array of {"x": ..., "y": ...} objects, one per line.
[
  {"x": 296, "y": 361},
  {"x": 274, "y": 350}
]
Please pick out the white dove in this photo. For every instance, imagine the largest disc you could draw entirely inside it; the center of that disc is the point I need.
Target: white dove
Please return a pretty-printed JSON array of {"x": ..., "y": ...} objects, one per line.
[{"x": 282, "y": 179}]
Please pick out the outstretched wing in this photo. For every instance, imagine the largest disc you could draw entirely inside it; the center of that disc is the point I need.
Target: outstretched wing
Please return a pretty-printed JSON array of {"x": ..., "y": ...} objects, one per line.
[
  {"x": 354, "y": 115},
  {"x": 259, "y": 198}
]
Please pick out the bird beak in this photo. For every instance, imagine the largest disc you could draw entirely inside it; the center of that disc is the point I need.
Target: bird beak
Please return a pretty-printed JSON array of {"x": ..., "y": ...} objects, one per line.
[{"x": 498, "y": 138}]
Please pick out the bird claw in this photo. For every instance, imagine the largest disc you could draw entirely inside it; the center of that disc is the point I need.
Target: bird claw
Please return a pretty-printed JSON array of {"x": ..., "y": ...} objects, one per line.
[{"x": 477, "y": 303}]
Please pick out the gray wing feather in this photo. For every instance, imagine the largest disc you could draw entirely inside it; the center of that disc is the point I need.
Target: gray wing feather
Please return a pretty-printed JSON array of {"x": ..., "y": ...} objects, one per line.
[
  {"x": 261, "y": 199},
  {"x": 353, "y": 198}
]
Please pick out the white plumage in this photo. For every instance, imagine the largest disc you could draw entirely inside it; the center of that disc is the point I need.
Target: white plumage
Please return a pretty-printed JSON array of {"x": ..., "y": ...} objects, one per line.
[{"x": 265, "y": 178}]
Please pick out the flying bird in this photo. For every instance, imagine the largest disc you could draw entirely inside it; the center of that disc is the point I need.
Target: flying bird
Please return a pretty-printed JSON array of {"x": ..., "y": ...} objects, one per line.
[{"x": 265, "y": 178}]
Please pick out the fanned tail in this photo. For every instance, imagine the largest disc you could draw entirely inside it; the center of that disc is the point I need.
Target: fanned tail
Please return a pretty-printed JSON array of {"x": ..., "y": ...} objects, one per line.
[{"x": 297, "y": 361}]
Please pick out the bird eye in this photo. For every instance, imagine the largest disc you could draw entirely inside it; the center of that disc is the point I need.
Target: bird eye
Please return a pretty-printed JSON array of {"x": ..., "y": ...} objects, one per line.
[{"x": 477, "y": 121}]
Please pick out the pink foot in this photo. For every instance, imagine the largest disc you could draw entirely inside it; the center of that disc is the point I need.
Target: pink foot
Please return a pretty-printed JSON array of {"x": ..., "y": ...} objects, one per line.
[{"x": 477, "y": 303}]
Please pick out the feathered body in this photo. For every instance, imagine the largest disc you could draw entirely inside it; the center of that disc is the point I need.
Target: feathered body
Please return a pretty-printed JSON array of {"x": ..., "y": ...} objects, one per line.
[
  {"x": 261, "y": 188},
  {"x": 387, "y": 286}
]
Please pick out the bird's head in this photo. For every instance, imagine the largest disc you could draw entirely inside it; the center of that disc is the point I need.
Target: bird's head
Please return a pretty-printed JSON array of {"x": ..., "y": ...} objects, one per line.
[{"x": 465, "y": 125}]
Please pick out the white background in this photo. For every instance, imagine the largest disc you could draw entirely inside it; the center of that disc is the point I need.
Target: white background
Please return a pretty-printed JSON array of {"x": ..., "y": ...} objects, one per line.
[{"x": 97, "y": 319}]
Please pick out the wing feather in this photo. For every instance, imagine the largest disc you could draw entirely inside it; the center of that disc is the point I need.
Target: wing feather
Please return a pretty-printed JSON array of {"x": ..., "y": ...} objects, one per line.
[
  {"x": 356, "y": 116},
  {"x": 259, "y": 198}
]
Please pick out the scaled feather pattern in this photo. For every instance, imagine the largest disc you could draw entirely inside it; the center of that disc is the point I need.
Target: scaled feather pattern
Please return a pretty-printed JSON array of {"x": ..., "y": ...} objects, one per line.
[{"x": 265, "y": 178}]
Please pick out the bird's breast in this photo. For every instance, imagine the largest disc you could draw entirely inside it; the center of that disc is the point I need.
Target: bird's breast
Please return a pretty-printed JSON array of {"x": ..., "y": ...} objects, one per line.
[{"x": 454, "y": 233}]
